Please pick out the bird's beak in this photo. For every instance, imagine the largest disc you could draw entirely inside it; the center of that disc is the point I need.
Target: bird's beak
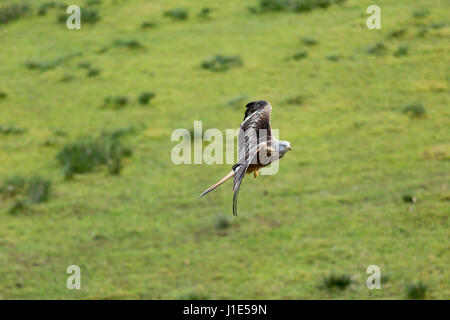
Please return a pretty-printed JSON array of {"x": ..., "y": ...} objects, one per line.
[{"x": 289, "y": 148}]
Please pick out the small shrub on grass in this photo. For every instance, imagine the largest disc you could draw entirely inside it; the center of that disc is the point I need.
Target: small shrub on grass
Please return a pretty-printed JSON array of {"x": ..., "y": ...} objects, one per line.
[
  {"x": 11, "y": 130},
  {"x": 422, "y": 13},
  {"x": 273, "y": 5},
  {"x": 222, "y": 222},
  {"x": 409, "y": 198},
  {"x": 3, "y": 95},
  {"x": 204, "y": 13},
  {"x": 309, "y": 41},
  {"x": 38, "y": 190},
  {"x": 336, "y": 282},
  {"x": 146, "y": 97},
  {"x": 41, "y": 65},
  {"x": 93, "y": 2},
  {"x": 292, "y": 5},
  {"x": 222, "y": 63},
  {"x": 18, "y": 206},
  {"x": 193, "y": 295},
  {"x": 415, "y": 110},
  {"x": 12, "y": 12},
  {"x": 84, "y": 65},
  {"x": 377, "y": 49},
  {"x": 120, "y": 133},
  {"x": 93, "y": 72},
  {"x": 300, "y": 55},
  {"x": 84, "y": 155},
  {"x": 423, "y": 31},
  {"x": 47, "y": 65},
  {"x": 128, "y": 43},
  {"x": 333, "y": 57},
  {"x": 67, "y": 78},
  {"x": 13, "y": 186},
  {"x": 437, "y": 25},
  {"x": 416, "y": 291},
  {"x": 102, "y": 50},
  {"x": 117, "y": 102},
  {"x": 148, "y": 24},
  {"x": 397, "y": 33},
  {"x": 42, "y": 11},
  {"x": 79, "y": 157},
  {"x": 401, "y": 51},
  {"x": 177, "y": 14}
]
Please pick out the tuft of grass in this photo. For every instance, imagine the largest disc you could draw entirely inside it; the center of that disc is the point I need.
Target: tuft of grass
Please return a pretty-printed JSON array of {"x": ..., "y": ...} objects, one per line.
[
  {"x": 423, "y": 31},
  {"x": 415, "y": 110},
  {"x": 222, "y": 63},
  {"x": 38, "y": 189},
  {"x": 378, "y": 49},
  {"x": 146, "y": 97},
  {"x": 148, "y": 24},
  {"x": 416, "y": 291},
  {"x": 402, "y": 50},
  {"x": 18, "y": 206},
  {"x": 300, "y": 55},
  {"x": 47, "y": 65},
  {"x": 177, "y": 14},
  {"x": 115, "y": 102},
  {"x": 292, "y": 5},
  {"x": 86, "y": 154},
  {"x": 437, "y": 25},
  {"x": 309, "y": 41},
  {"x": 67, "y": 77},
  {"x": 93, "y": 2},
  {"x": 397, "y": 33},
  {"x": 93, "y": 72},
  {"x": 422, "y": 13},
  {"x": 42, "y": 11},
  {"x": 11, "y": 130},
  {"x": 12, "y": 12},
  {"x": 334, "y": 281},
  {"x": 3, "y": 95},
  {"x": 333, "y": 57},
  {"x": 409, "y": 198},
  {"x": 41, "y": 65},
  {"x": 84, "y": 65},
  {"x": 192, "y": 295},
  {"x": 128, "y": 43},
  {"x": 222, "y": 222},
  {"x": 205, "y": 13},
  {"x": 13, "y": 186}
]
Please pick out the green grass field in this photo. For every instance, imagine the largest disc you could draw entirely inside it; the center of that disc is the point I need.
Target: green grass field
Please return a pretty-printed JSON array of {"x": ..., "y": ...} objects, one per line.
[{"x": 341, "y": 201}]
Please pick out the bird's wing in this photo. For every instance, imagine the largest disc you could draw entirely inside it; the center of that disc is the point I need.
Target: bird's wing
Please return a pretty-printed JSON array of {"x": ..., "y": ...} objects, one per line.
[
  {"x": 254, "y": 136},
  {"x": 239, "y": 174}
]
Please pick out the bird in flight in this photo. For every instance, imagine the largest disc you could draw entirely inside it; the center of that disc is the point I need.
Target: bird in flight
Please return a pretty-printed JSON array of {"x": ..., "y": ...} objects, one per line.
[{"x": 257, "y": 147}]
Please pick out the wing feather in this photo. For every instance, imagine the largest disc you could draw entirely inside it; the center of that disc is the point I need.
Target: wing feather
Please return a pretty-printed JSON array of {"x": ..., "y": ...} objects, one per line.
[{"x": 254, "y": 135}]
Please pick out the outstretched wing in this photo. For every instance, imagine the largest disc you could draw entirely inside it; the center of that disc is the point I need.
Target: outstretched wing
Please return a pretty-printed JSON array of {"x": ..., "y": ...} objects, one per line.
[{"x": 254, "y": 135}]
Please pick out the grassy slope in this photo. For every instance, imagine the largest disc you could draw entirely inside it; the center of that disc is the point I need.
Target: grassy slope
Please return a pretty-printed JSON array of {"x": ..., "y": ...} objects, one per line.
[{"x": 335, "y": 205}]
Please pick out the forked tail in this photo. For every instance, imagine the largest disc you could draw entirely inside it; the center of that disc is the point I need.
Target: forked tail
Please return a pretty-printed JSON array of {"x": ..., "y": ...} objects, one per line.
[{"x": 228, "y": 176}]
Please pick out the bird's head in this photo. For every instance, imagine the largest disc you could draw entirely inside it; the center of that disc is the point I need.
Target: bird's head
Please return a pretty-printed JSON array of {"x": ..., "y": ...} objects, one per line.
[{"x": 284, "y": 146}]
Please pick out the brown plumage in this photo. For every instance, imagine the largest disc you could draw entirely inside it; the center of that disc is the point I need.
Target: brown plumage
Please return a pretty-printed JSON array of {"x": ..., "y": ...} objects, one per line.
[{"x": 257, "y": 147}]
